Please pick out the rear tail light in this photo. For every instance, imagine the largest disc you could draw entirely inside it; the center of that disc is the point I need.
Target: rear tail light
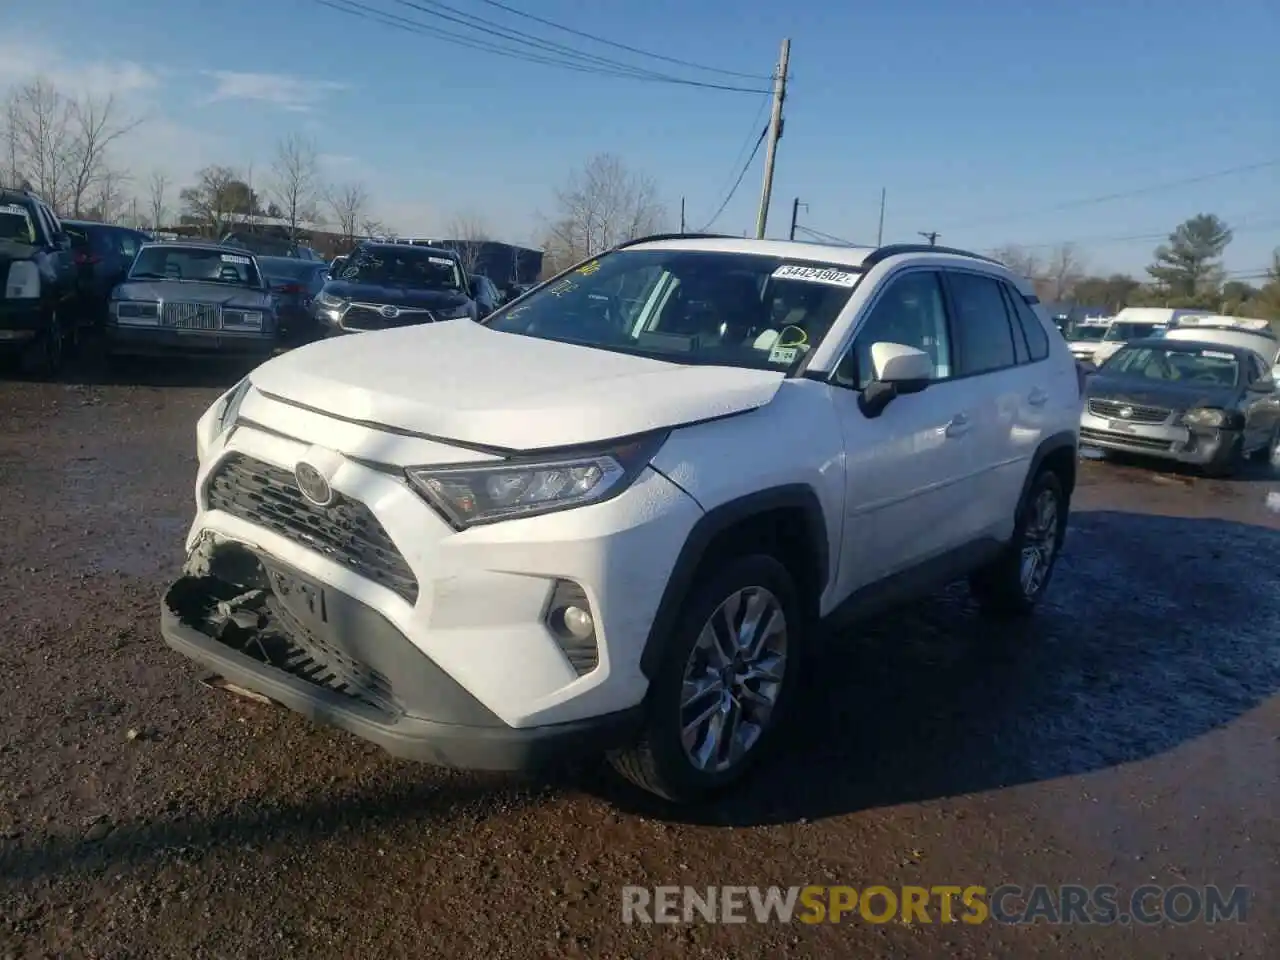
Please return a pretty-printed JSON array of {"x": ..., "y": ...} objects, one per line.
[
  {"x": 289, "y": 288},
  {"x": 85, "y": 259}
]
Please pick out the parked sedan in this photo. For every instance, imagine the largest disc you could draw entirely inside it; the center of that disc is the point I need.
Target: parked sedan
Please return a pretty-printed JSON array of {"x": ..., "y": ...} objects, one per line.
[
  {"x": 295, "y": 284},
  {"x": 192, "y": 299},
  {"x": 1207, "y": 404}
]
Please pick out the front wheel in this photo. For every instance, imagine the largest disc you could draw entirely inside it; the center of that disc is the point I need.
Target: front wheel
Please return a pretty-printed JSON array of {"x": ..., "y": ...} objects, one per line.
[
  {"x": 725, "y": 684},
  {"x": 47, "y": 355},
  {"x": 1015, "y": 581}
]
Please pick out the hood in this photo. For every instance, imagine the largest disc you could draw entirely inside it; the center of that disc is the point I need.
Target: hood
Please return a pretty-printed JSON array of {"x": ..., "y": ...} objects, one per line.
[
  {"x": 192, "y": 292},
  {"x": 397, "y": 296},
  {"x": 1154, "y": 393},
  {"x": 458, "y": 380}
]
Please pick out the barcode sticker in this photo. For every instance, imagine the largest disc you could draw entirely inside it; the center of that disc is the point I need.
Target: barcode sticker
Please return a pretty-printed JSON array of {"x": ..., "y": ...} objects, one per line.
[
  {"x": 443, "y": 261},
  {"x": 14, "y": 209},
  {"x": 1217, "y": 355},
  {"x": 233, "y": 258},
  {"x": 796, "y": 271}
]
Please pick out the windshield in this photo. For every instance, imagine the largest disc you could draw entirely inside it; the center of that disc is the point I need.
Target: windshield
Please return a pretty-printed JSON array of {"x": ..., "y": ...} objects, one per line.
[
  {"x": 692, "y": 307},
  {"x": 288, "y": 270},
  {"x": 402, "y": 267},
  {"x": 173, "y": 262},
  {"x": 1089, "y": 333},
  {"x": 16, "y": 224},
  {"x": 1184, "y": 364},
  {"x": 1134, "y": 331}
]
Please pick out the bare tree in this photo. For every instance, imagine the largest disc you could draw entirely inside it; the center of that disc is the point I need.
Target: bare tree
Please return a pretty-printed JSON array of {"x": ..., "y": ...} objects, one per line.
[
  {"x": 376, "y": 228},
  {"x": 295, "y": 180},
  {"x": 157, "y": 194},
  {"x": 1063, "y": 271},
  {"x": 602, "y": 204},
  {"x": 108, "y": 198},
  {"x": 467, "y": 232},
  {"x": 1020, "y": 261},
  {"x": 348, "y": 202},
  {"x": 94, "y": 128},
  {"x": 41, "y": 139},
  {"x": 214, "y": 199}
]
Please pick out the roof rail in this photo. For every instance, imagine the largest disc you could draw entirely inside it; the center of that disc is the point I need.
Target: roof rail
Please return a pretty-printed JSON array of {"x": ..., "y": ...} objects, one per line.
[
  {"x": 672, "y": 236},
  {"x": 894, "y": 249}
]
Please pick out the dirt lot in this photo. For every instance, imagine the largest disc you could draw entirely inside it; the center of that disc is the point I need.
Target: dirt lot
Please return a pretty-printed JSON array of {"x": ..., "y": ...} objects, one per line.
[{"x": 1130, "y": 734}]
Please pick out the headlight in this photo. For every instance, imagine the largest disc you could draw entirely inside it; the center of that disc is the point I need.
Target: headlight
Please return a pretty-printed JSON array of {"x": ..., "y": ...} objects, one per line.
[
  {"x": 329, "y": 300},
  {"x": 23, "y": 282},
  {"x": 1204, "y": 417},
  {"x": 231, "y": 408},
  {"x": 245, "y": 319},
  {"x": 484, "y": 493},
  {"x": 136, "y": 313}
]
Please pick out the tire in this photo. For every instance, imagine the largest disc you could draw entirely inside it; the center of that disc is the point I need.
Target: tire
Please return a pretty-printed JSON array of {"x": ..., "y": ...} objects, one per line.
[
  {"x": 660, "y": 763},
  {"x": 1008, "y": 587},
  {"x": 1264, "y": 453},
  {"x": 1230, "y": 464},
  {"x": 48, "y": 354}
]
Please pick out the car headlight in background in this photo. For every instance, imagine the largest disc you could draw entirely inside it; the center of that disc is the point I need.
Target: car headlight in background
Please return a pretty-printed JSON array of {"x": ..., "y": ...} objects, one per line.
[
  {"x": 242, "y": 319},
  {"x": 1204, "y": 417},
  {"x": 329, "y": 301},
  {"x": 23, "y": 282},
  {"x": 527, "y": 486},
  {"x": 136, "y": 313}
]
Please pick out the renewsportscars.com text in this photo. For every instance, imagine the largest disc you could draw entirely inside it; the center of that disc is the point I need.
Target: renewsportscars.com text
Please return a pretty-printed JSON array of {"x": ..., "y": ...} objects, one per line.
[{"x": 1009, "y": 904}]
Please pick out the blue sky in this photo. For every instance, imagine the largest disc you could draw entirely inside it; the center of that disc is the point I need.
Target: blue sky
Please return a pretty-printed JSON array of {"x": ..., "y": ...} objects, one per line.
[{"x": 977, "y": 118}]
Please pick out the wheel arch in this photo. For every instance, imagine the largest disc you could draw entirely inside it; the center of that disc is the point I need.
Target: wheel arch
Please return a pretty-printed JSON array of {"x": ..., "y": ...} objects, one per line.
[
  {"x": 787, "y": 520},
  {"x": 1060, "y": 452}
]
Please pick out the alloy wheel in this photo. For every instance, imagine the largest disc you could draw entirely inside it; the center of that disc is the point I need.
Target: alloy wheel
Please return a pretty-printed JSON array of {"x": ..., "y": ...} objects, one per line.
[
  {"x": 732, "y": 679},
  {"x": 1039, "y": 543}
]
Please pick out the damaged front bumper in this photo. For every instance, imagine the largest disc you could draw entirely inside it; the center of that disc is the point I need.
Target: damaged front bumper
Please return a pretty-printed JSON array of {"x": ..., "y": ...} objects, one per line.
[{"x": 271, "y": 629}]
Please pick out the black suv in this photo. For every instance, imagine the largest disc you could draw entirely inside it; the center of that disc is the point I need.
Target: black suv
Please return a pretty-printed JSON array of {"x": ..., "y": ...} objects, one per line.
[
  {"x": 37, "y": 308},
  {"x": 103, "y": 254}
]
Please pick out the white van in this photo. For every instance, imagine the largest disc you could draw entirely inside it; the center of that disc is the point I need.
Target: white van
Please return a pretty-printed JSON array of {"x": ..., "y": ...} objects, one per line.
[
  {"x": 1134, "y": 323},
  {"x": 1255, "y": 334},
  {"x": 1087, "y": 335}
]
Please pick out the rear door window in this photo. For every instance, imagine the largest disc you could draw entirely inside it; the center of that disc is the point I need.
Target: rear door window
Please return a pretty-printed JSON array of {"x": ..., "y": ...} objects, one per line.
[{"x": 982, "y": 324}]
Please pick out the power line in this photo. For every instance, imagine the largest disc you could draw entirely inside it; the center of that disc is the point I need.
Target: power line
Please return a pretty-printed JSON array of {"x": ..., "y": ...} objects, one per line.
[
  {"x": 737, "y": 183},
  {"x": 1126, "y": 194},
  {"x": 619, "y": 46},
  {"x": 527, "y": 49},
  {"x": 827, "y": 238},
  {"x": 746, "y": 145},
  {"x": 1245, "y": 227}
]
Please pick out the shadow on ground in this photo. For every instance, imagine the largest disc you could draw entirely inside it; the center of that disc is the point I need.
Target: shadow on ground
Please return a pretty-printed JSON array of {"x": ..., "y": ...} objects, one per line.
[
  {"x": 1157, "y": 630},
  {"x": 1250, "y": 470}
]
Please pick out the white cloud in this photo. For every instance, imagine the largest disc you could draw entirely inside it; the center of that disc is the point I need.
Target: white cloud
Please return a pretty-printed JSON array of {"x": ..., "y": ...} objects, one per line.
[
  {"x": 22, "y": 61},
  {"x": 281, "y": 89}
]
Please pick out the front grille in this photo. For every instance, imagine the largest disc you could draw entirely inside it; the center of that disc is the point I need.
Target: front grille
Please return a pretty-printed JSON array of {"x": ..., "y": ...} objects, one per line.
[
  {"x": 1137, "y": 413},
  {"x": 361, "y": 317},
  {"x": 345, "y": 531},
  {"x": 191, "y": 316},
  {"x": 1125, "y": 439}
]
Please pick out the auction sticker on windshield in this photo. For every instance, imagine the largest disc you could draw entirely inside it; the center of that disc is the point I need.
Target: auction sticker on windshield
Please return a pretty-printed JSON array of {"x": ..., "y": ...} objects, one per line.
[
  {"x": 1215, "y": 355},
  {"x": 232, "y": 258},
  {"x": 443, "y": 261},
  {"x": 796, "y": 271},
  {"x": 13, "y": 208}
]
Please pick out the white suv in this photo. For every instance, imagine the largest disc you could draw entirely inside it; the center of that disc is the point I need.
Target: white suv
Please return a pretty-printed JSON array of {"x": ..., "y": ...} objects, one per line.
[{"x": 613, "y": 517}]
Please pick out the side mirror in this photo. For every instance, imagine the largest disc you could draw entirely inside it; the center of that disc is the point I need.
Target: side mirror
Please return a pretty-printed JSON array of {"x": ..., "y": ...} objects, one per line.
[
  {"x": 897, "y": 369},
  {"x": 908, "y": 368},
  {"x": 1263, "y": 385}
]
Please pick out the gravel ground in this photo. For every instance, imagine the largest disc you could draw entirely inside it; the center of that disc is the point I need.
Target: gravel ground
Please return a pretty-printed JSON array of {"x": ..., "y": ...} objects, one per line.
[{"x": 1129, "y": 734}]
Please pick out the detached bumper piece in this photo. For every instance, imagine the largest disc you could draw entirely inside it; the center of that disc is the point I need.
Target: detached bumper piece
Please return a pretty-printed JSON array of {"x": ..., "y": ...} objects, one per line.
[{"x": 274, "y": 631}]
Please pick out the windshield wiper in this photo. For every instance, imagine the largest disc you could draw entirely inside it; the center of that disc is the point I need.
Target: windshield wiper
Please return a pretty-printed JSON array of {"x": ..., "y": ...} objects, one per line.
[{"x": 150, "y": 276}]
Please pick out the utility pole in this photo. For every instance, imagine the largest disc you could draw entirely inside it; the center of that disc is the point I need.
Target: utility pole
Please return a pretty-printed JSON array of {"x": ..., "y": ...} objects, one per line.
[
  {"x": 795, "y": 214},
  {"x": 775, "y": 134},
  {"x": 682, "y": 214},
  {"x": 880, "y": 229},
  {"x": 931, "y": 236}
]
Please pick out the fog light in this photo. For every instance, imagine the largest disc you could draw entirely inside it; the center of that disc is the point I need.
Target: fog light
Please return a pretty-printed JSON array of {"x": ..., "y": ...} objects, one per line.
[
  {"x": 578, "y": 622},
  {"x": 570, "y": 621}
]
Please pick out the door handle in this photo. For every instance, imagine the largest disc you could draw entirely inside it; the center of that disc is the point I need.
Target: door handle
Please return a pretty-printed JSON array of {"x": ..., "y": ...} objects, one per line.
[
  {"x": 958, "y": 426},
  {"x": 1038, "y": 397}
]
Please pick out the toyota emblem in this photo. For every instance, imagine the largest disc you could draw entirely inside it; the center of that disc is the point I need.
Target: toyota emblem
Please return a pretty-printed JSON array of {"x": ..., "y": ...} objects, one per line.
[
  {"x": 313, "y": 485},
  {"x": 1125, "y": 412},
  {"x": 390, "y": 312}
]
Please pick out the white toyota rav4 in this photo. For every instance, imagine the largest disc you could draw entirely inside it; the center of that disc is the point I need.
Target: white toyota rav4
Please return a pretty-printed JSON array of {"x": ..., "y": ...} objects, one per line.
[{"x": 613, "y": 517}]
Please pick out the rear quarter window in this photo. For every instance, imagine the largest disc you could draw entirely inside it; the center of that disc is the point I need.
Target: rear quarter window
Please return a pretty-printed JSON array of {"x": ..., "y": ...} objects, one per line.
[{"x": 1033, "y": 331}]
